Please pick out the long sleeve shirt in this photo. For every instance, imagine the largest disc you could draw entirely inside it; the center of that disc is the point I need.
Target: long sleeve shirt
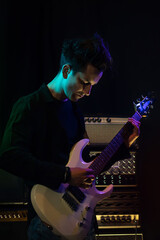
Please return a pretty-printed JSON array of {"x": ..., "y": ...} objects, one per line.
[{"x": 39, "y": 136}]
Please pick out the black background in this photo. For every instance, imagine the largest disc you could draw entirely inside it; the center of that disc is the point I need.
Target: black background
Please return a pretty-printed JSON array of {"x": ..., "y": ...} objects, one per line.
[{"x": 31, "y": 36}]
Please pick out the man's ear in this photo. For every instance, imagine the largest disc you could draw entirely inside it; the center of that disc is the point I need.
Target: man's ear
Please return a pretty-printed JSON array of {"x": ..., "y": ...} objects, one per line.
[{"x": 66, "y": 69}]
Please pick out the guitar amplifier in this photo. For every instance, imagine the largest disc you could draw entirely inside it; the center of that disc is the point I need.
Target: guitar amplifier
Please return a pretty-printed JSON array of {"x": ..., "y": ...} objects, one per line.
[
  {"x": 101, "y": 131},
  {"x": 120, "y": 174},
  {"x": 118, "y": 217},
  {"x": 13, "y": 221},
  {"x": 13, "y": 207}
]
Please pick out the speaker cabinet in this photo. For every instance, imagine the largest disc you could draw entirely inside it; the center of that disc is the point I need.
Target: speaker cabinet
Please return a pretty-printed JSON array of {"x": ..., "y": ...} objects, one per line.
[{"x": 13, "y": 230}]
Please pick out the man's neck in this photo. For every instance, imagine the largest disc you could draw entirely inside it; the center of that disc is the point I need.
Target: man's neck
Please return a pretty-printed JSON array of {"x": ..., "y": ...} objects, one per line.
[{"x": 55, "y": 87}]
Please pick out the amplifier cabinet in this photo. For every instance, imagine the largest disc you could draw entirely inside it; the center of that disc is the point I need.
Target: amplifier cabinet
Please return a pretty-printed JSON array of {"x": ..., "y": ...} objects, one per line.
[
  {"x": 13, "y": 230},
  {"x": 119, "y": 203},
  {"x": 119, "y": 217},
  {"x": 120, "y": 174},
  {"x": 13, "y": 223},
  {"x": 102, "y": 130}
]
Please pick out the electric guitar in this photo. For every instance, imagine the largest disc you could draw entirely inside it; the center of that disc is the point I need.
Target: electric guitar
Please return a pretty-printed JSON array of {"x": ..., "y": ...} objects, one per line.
[{"x": 69, "y": 210}]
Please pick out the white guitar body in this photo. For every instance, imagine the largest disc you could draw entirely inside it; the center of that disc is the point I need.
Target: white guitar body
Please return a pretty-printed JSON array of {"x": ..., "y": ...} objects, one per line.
[{"x": 54, "y": 210}]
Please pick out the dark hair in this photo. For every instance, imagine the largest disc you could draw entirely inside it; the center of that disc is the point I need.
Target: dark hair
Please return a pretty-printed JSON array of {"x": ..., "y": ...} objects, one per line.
[{"x": 81, "y": 52}]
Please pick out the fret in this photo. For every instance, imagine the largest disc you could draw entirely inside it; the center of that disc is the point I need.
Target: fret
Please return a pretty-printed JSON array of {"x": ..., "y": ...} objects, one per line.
[
  {"x": 93, "y": 165},
  {"x": 116, "y": 138},
  {"x": 114, "y": 144},
  {"x": 137, "y": 116},
  {"x": 98, "y": 164},
  {"x": 103, "y": 155},
  {"x": 106, "y": 153},
  {"x": 113, "y": 147},
  {"x": 109, "y": 150}
]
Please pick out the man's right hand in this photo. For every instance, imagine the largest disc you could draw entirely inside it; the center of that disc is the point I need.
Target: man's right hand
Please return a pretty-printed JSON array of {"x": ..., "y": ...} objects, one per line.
[{"x": 81, "y": 177}]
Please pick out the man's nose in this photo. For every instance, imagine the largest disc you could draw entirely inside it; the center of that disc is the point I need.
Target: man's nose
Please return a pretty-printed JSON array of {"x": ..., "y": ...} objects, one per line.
[{"x": 87, "y": 89}]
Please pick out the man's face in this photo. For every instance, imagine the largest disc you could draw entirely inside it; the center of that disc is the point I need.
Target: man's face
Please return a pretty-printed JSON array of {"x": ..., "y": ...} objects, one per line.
[{"x": 77, "y": 85}]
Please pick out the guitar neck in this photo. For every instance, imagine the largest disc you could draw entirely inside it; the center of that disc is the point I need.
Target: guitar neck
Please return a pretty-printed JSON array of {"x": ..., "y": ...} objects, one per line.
[{"x": 101, "y": 161}]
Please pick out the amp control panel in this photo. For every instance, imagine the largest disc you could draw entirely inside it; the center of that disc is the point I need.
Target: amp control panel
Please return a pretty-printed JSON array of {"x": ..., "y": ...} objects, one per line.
[{"x": 118, "y": 221}]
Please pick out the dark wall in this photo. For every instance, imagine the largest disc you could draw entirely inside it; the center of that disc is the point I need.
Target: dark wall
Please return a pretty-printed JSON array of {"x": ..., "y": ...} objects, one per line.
[{"x": 31, "y": 36}]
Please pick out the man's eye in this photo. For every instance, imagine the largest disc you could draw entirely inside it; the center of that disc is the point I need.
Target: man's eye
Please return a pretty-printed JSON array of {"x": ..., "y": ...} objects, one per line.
[{"x": 84, "y": 83}]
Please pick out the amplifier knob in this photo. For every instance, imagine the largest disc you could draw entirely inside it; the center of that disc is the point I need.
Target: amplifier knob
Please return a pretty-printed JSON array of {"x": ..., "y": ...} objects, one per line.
[
  {"x": 108, "y": 120},
  {"x": 128, "y": 219},
  {"x": 89, "y": 119},
  {"x": 113, "y": 219},
  {"x": 99, "y": 120},
  {"x": 94, "y": 120},
  {"x": 118, "y": 219},
  {"x": 123, "y": 218},
  {"x": 102, "y": 219},
  {"x": 107, "y": 219}
]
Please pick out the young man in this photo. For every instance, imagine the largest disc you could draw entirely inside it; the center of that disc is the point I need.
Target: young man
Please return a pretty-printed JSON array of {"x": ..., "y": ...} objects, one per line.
[{"x": 44, "y": 125}]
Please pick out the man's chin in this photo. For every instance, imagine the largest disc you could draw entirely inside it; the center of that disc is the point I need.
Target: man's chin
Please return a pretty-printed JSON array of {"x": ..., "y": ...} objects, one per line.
[{"x": 76, "y": 97}]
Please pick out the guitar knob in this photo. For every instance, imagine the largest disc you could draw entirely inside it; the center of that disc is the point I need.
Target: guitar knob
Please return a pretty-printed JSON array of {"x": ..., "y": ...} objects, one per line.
[
  {"x": 87, "y": 208},
  {"x": 80, "y": 224}
]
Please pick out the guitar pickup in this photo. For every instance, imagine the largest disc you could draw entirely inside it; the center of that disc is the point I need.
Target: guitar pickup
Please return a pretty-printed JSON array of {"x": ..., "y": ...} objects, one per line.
[
  {"x": 70, "y": 201},
  {"x": 77, "y": 193}
]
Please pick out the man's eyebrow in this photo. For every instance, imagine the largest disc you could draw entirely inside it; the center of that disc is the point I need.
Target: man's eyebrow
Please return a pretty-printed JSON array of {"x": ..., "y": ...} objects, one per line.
[
  {"x": 91, "y": 82},
  {"x": 86, "y": 81}
]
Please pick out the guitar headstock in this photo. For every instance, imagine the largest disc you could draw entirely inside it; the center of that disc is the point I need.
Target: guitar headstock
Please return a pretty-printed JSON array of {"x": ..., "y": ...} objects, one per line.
[{"x": 144, "y": 105}]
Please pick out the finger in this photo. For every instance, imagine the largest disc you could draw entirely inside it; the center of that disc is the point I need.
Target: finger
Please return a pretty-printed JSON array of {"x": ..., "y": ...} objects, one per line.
[
  {"x": 136, "y": 124},
  {"x": 90, "y": 176},
  {"x": 88, "y": 180},
  {"x": 86, "y": 185}
]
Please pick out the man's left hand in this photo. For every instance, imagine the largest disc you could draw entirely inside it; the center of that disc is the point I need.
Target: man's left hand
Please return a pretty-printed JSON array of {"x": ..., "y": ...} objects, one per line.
[{"x": 136, "y": 132}]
